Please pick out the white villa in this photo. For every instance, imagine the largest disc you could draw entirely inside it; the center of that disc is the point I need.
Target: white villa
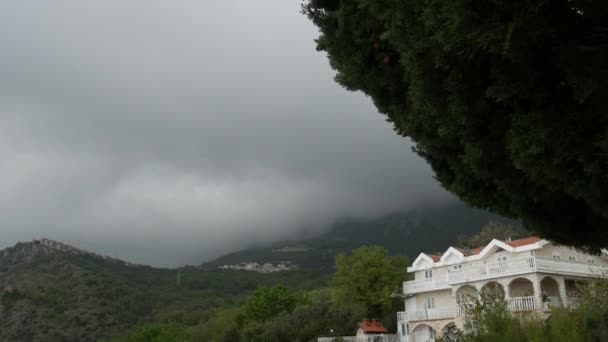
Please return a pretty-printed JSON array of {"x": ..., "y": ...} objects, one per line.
[{"x": 532, "y": 273}]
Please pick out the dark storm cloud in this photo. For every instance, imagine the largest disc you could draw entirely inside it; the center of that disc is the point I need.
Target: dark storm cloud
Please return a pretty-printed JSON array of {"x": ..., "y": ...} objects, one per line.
[{"x": 169, "y": 132}]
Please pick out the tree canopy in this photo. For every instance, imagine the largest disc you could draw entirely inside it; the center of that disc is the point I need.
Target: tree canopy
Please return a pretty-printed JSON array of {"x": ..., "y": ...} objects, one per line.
[
  {"x": 366, "y": 281},
  {"x": 268, "y": 302},
  {"x": 506, "y": 100}
]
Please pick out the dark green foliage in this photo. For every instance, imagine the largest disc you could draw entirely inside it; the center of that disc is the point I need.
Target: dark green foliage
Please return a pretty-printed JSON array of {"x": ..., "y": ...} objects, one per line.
[
  {"x": 305, "y": 323},
  {"x": 592, "y": 311},
  {"x": 366, "y": 281},
  {"x": 505, "y": 99},
  {"x": 491, "y": 320},
  {"x": 277, "y": 314},
  {"x": 169, "y": 332},
  {"x": 80, "y": 298},
  {"x": 268, "y": 302}
]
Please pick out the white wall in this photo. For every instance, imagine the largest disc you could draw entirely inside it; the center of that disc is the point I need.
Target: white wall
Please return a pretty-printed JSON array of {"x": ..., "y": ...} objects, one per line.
[{"x": 442, "y": 299}]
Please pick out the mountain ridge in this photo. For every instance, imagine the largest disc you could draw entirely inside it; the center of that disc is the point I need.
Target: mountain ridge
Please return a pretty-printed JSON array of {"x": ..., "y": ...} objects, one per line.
[{"x": 407, "y": 233}]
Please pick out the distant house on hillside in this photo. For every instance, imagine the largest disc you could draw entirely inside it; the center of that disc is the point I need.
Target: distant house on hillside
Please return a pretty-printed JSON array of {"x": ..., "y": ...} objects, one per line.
[
  {"x": 368, "y": 330},
  {"x": 533, "y": 274}
]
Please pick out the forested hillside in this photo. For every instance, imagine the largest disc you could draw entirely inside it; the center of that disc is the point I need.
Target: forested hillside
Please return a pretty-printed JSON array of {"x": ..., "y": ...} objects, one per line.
[
  {"x": 48, "y": 295},
  {"x": 70, "y": 295}
]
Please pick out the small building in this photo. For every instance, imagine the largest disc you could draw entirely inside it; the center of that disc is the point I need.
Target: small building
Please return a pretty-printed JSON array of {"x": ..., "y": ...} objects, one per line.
[
  {"x": 371, "y": 330},
  {"x": 368, "y": 330}
]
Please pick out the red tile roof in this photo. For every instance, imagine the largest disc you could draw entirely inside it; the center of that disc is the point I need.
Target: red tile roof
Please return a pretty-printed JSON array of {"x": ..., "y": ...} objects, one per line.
[
  {"x": 523, "y": 242},
  {"x": 372, "y": 326},
  {"x": 515, "y": 243}
]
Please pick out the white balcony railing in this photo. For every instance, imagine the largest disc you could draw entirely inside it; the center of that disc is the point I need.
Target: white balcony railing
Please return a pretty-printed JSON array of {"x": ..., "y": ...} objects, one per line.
[
  {"x": 569, "y": 267},
  {"x": 415, "y": 286},
  {"x": 522, "y": 304},
  {"x": 430, "y": 314},
  {"x": 503, "y": 269},
  {"x": 516, "y": 304},
  {"x": 492, "y": 270},
  {"x": 521, "y": 266}
]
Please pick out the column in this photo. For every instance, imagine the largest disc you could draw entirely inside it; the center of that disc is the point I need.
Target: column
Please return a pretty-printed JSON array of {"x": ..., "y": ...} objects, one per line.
[
  {"x": 538, "y": 295},
  {"x": 563, "y": 293},
  {"x": 505, "y": 287}
]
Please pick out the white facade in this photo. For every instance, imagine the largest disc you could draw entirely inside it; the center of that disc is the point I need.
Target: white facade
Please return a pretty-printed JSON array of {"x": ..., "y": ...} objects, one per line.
[{"x": 533, "y": 274}]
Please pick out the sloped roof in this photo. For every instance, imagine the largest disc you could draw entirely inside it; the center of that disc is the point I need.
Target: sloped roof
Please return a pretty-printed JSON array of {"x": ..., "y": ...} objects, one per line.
[
  {"x": 372, "y": 326},
  {"x": 515, "y": 243},
  {"x": 478, "y": 251},
  {"x": 523, "y": 242}
]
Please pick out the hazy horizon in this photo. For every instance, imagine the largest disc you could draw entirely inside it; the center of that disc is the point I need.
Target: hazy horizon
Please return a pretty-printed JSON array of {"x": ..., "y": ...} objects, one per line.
[{"x": 169, "y": 134}]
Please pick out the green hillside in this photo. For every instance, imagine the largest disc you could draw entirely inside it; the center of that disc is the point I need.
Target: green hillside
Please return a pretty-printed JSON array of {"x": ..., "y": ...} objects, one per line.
[
  {"x": 71, "y": 295},
  {"x": 48, "y": 295}
]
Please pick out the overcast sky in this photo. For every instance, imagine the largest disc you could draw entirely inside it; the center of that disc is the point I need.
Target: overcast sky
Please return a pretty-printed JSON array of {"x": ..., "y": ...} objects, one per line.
[{"x": 168, "y": 132}]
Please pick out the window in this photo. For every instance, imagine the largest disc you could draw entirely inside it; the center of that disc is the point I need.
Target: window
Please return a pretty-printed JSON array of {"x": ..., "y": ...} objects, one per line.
[
  {"x": 591, "y": 261},
  {"x": 556, "y": 256},
  {"x": 403, "y": 330},
  {"x": 456, "y": 267},
  {"x": 432, "y": 333},
  {"x": 502, "y": 258},
  {"x": 429, "y": 302},
  {"x": 572, "y": 258},
  {"x": 428, "y": 274},
  {"x": 407, "y": 328}
]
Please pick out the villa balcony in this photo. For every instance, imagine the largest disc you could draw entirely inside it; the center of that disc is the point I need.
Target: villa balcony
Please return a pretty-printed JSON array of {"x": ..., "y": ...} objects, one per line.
[
  {"x": 494, "y": 270},
  {"x": 522, "y": 266},
  {"x": 415, "y": 286},
  {"x": 517, "y": 304},
  {"x": 433, "y": 314}
]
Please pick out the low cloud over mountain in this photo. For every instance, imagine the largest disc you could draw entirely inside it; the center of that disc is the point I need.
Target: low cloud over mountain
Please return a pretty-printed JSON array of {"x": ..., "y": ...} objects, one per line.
[{"x": 163, "y": 134}]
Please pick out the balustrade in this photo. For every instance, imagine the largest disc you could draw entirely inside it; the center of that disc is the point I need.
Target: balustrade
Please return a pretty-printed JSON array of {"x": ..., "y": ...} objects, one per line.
[
  {"x": 569, "y": 267},
  {"x": 516, "y": 304},
  {"x": 424, "y": 285},
  {"x": 479, "y": 272},
  {"x": 522, "y": 303},
  {"x": 430, "y": 314}
]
